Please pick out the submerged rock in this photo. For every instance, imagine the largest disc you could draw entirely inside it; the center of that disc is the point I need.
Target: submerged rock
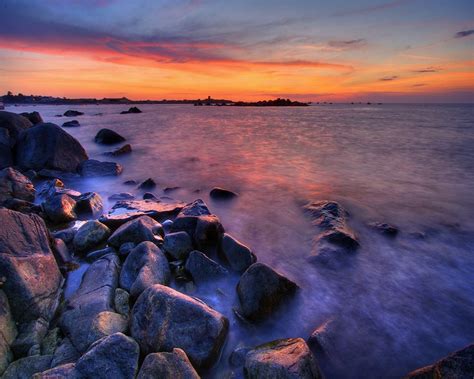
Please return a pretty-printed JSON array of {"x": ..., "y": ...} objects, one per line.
[
  {"x": 147, "y": 184},
  {"x": 163, "y": 319},
  {"x": 73, "y": 113},
  {"x": 321, "y": 339},
  {"x": 218, "y": 193},
  {"x": 89, "y": 204},
  {"x": 94, "y": 168},
  {"x": 137, "y": 230},
  {"x": 287, "y": 358},
  {"x": 131, "y": 110},
  {"x": 239, "y": 256},
  {"x": 261, "y": 290},
  {"x": 108, "y": 137},
  {"x": 14, "y": 184},
  {"x": 125, "y": 149},
  {"x": 71, "y": 124},
  {"x": 178, "y": 245},
  {"x": 202, "y": 268},
  {"x": 385, "y": 229},
  {"x": 34, "y": 117},
  {"x": 173, "y": 365},
  {"x": 122, "y": 196},
  {"x": 90, "y": 235}
]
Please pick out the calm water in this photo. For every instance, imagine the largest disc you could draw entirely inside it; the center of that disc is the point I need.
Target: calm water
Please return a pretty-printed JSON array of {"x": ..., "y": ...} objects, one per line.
[{"x": 400, "y": 303}]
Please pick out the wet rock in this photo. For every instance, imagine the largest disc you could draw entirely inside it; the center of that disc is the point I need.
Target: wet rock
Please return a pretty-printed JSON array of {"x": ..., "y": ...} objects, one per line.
[
  {"x": 122, "y": 196},
  {"x": 27, "y": 367},
  {"x": 326, "y": 214},
  {"x": 54, "y": 187},
  {"x": 108, "y": 137},
  {"x": 202, "y": 268},
  {"x": 459, "y": 364},
  {"x": 6, "y": 145},
  {"x": 8, "y": 332},
  {"x": 130, "y": 182},
  {"x": 60, "y": 208},
  {"x": 239, "y": 256},
  {"x": 384, "y": 228},
  {"x": 34, "y": 117},
  {"x": 122, "y": 302},
  {"x": 14, "y": 124},
  {"x": 163, "y": 319},
  {"x": 218, "y": 193},
  {"x": 65, "y": 353},
  {"x": 178, "y": 245},
  {"x": 94, "y": 255},
  {"x": 167, "y": 225},
  {"x": 125, "y": 149},
  {"x": 61, "y": 252},
  {"x": 286, "y": 358},
  {"x": 126, "y": 248},
  {"x": 22, "y": 206},
  {"x": 90, "y": 235},
  {"x": 321, "y": 339},
  {"x": 29, "y": 335},
  {"x": 261, "y": 290},
  {"x": 149, "y": 196},
  {"x": 65, "y": 371},
  {"x": 208, "y": 233},
  {"x": 170, "y": 189},
  {"x": 94, "y": 168},
  {"x": 67, "y": 235},
  {"x": 71, "y": 124},
  {"x": 341, "y": 237},
  {"x": 147, "y": 184},
  {"x": 72, "y": 113},
  {"x": 14, "y": 184},
  {"x": 47, "y": 146},
  {"x": 145, "y": 265},
  {"x": 115, "y": 356},
  {"x": 131, "y": 110},
  {"x": 138, "y": 230},
  {"x": 32, "y": 278},
  {"x": 173, "y": 365},
  {"x": 89, "y": 204}
]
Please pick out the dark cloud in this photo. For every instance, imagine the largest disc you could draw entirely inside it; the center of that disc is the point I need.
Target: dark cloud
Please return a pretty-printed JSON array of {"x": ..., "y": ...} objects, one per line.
[
  {"x": 388, "y": 78},
  {"x": 349, "y": 44},
  {"x": 419, "y": 85},
  {"x": 464, "y": 33},
  {"x": 428, "y": 69}
]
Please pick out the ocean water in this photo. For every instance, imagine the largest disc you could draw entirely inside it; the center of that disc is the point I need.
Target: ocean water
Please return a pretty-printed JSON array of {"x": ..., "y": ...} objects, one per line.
[{"x": 399, "y": 303}]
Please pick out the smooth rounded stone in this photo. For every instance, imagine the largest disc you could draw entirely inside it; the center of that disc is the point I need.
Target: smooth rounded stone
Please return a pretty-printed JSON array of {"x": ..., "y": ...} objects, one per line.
[
  {"x": 239, "y": 256},
  {"x": 208, "y": 233},
  {"x": 65, "y": 371},
  {"x": 282, "y": 359},
  {"x": 261, "y": 290},
  {"x": 218, "y": 193},
  {"x": 71, "y": 124},
  {"x": 8, "y": 331},
  {"x": 89, "y": 203},
  {"x": 238, "y": 355},
  {"x": 145, "y": 265},
  {"x": 14, "y": 184},
  {"x": 14, "y": 124},
  {"x": 126, "y": 248},
  {"x": 138, "y": 230},
  {"x": 27, "y": 367},
  {"x": 108, "y": 137},
  {"x": 107, "y": 323},
  {"x": 32, "y": 278},
  {"x": 167, "y": 224},
  {"x": 29, "y": 335},
  {"x": 67, "y": 235},
  {"x": 94, "y": 168},
  {"x": 459, "y": 364},
  {"x": 34, "y": 117},
  {"x": 147, "y": 184},
  {"x": 6, "y": 145},
  {"x": 122, "y": 196},
  {"x": 48, "y": 146},
  {"x": 149, "y": 196},
  {"x": 94, "y": 255},
  {"x": 125, "y": 149},
  {"x": 65, "y": 353},
  {"x": 178, "y": 245},
  {"x": 202, "y": 268},
  {"x": 122, "y": 302},
  {"x": 384, "y": 228},
  {"x": 325, "y": 213},
  {"x": 72, "y": 113},
  {"x": 173, "y": 365},
  {"x": 163, "y": 319},
  {"x": 90, "y": 235},
  {"x": 115, "y": 356}
]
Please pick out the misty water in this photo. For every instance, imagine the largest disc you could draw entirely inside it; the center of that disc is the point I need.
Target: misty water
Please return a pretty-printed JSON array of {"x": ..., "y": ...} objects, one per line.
[{"x": 398, "y": 303}]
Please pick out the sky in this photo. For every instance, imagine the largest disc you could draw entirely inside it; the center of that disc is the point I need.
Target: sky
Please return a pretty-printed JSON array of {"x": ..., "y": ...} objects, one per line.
[{"x": 311, "y": 50}]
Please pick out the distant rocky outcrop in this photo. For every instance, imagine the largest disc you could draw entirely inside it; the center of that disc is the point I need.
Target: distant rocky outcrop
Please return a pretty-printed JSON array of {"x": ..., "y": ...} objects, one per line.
[{"x": 131, "y": 110}]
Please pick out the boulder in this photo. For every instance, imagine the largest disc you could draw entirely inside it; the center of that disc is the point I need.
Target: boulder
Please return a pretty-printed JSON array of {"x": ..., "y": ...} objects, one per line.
[
  {"x": 90, "y": 235},
  {"x": 6, "y": 145},
  {"x": 48, "y": 146},
  {"x": 65, "y": 353},
  {"x": 34, "y": 117},
  {"x": 202, "y": 269},
  {"x": 73, "y": 113},
  {"x": 67, "y": 235},
  {"x": 14, "y": 124},
  {"x": 97, "y": 254},
  {"x": 94, "y": 168},
  {"x": 163, "y": 319},
  {"x": 60, "y": 208},
  {"x": 89, "y": 204},
  {"x": 8, "y": 332},
  {"x": 71, "y": 124},
  {"x": 125, "y": 149},
  {"x": 322, "y": 338},
  {"x": 27, "y": 367},
  {"x": 108, "y": 137},
  {"x": 30, "y": 335},
  {"x": 65, "y": 371},
  {"x": 126, "y": 249},
  {"x": 131, "y": 110},
  {"x": 137, "y": 230},
  {"x": 178, "y": 245},
  {"x": 122, "y": 302},
  {"x": 340, "y": 237},
  {"x": 384, "y": 228},
  {"x": 283, "y": 359},
  {"x": 173, "y": 365},
  {"x": 115, "y": 356},
  {"x": 147, "y": 184},
  {"x": 261, "y": 290},
  {"x": 459, "y": 364},
  {"x": 218, "y": 193},
  {"x": 14, "y": 184},
  {"x": 61, "y": 252},
  {"x": 121, "y": 196},
  {"x": 32, "y": 278},
  {"x": 239, "y": 256},
  {"x": 145, "y": 265}
]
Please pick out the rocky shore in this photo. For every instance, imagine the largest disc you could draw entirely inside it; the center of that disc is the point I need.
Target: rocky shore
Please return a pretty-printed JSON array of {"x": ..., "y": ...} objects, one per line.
[{"x": 129, "y": 318}]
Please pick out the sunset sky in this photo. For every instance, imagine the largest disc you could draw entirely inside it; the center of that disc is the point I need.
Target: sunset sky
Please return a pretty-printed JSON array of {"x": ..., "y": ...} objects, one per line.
[{"x": 339, "y": 50}]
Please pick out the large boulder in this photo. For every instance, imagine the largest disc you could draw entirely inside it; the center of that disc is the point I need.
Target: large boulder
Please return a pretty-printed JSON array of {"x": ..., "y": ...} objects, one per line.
[
  {"x": 108, "y": 137},
  {"x": 89, "y": 204},
  {"x": 90, "y": 235},
  {"x": 6, "y": 145},
  {"x": 173, "y": 365},
  {"x": 459, "y": 364},
  {"x": 282, "y": 359},
  {"x": 239, "y": 256},
  {"x": 27, "y": 367},
  {"x": 145, "y": 265},
  {"x": 32, "y": 278},
  {"x": 115, "y": 356},
  {"x": 8, "y": 332},
  {"x": 65, "y": 353},
  {"x": 65, "y": 371},
  {"x": 137, "y": 230},
  {"x": 14, "y": 123},
  {"x": 34, "y": 117},
  {"x": 163, "y": 319},
  {"x": 202, "y": 268},
  {"x": 93, "y": 168},
  {"x": 48, "y": 146},
  {"x": 178, "y": 245},
  {"x": 60, "y": 208},
  {"x": 14, "y": 184},
  {"x": 261, "y": 290}
]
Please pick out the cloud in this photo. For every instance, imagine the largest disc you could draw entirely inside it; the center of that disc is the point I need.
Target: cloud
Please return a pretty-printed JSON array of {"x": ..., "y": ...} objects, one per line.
[
  {"x": 419, "y": 85},
  {"x": 464, "y": 33},
  {"x": 371, "y": 9},
  {"x": 349, "y": 44},
  {"x": 388, "y": 78},
  {"x": 427, "y": 70}
]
